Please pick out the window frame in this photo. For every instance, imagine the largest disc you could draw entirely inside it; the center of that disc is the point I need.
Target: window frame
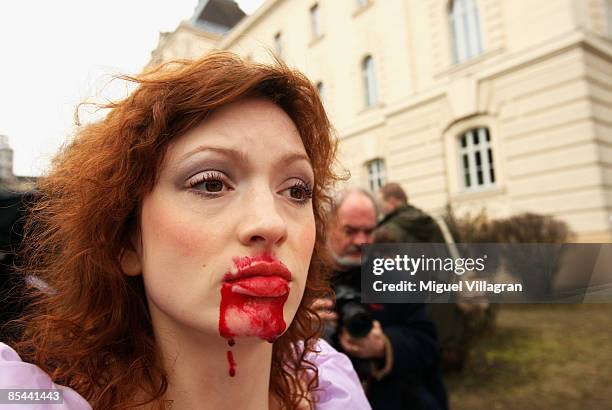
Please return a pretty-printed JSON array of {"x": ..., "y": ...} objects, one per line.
[
  {"x": 315, "y": 21},
  {"x": 376, "y": 171},
  {"x": 608, "y": 13},
  {"x": 475, "y": 145},
  {"x": 370, "y": 86},
  {"x": 321, "y": 90},
  {"x": 466, "y": 35},
  {"x": 361, "y": 6},
  {"x": 278, "y": 44},
  {"x": 454, "y": 177}
]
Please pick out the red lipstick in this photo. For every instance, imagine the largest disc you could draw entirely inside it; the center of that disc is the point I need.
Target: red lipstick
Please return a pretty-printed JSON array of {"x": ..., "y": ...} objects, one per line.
[
  {"x": 261, "y": 286},
  {"x": 259, "y": 277},
  {"x": 253, "y": 294},
  {"x": 264, "y": 265}
]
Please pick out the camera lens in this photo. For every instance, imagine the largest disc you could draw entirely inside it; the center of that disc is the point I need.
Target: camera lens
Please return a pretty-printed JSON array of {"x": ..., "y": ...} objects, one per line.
[{"x": 357, "y": 319}]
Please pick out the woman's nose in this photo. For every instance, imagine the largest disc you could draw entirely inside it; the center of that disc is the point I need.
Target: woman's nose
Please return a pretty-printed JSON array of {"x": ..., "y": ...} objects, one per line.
[{"x": 262, "y": 223}]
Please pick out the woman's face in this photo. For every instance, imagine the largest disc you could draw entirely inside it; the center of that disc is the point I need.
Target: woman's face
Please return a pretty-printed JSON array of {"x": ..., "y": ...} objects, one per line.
[{"x": 228, "y": 231}]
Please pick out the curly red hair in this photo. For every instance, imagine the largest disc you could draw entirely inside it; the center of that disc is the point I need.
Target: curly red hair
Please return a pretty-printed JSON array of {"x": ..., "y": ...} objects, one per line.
[{"x": 92, "y": 331}]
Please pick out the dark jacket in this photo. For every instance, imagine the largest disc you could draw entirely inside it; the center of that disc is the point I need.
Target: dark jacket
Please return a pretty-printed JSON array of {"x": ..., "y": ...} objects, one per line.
[
  {"x": 12, "y": 211},
  {"x": 408, "y": 224},
  {"x": 415, "y": 380}
]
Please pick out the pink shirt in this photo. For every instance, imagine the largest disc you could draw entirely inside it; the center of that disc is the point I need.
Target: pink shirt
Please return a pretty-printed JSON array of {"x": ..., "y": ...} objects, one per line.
[{"x": 339, "y": 387}]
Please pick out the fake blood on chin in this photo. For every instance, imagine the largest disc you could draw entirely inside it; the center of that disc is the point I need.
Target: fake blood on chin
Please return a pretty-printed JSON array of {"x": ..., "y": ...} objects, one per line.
[{"x": 252, "y": 301}]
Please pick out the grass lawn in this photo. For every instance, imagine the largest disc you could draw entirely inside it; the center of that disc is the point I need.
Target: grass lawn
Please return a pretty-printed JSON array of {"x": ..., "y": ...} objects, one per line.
[{"x": 540, "y": 357}]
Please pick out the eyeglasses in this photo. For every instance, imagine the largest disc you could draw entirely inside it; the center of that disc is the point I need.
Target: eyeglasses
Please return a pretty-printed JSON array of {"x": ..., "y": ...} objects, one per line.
[{"x": 354, "y": 230}]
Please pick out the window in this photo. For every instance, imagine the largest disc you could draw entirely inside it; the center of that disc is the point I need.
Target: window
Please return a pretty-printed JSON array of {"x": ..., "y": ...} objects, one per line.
[
  {"x": 465, "y": 29},
  {"x": 476, "y": 158},
  {"x": 321, "y": 89},
  {"x": 278, "y": 44},
  {"x": 315, "y": 21},
  {"x": 609, "y": 17},
  {"x": 369, "y": 81},
  {"x": 376, "y": 174}
]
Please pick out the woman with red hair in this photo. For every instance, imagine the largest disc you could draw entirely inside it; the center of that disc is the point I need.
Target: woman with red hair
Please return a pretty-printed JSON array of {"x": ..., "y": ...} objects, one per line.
[{"x": 181, "y": 243}]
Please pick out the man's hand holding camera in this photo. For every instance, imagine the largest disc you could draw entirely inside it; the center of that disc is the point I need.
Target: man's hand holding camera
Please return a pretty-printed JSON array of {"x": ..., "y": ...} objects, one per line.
[
  {"x": 371, "y": 346},
  {"x": 359, "y": 335}
]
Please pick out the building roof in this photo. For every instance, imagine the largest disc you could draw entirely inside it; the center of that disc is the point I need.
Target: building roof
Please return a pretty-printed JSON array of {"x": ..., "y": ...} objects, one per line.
[
  {"x": 221, "y": 14},
  {"x": 4, "y": 142},
  {"x": 245, "y": 24}
]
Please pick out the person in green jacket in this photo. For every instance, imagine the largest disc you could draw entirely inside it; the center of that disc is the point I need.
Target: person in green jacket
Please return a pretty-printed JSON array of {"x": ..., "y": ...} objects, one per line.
[{"x": 404, "y": 222}]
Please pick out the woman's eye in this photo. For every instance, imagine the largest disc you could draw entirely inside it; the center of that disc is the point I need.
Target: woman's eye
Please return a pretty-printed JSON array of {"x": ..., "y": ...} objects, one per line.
[
  {"x": 208, "y": 183},
  {"x": 212, "y": 186},
  {"x": 299, "y": 192}
]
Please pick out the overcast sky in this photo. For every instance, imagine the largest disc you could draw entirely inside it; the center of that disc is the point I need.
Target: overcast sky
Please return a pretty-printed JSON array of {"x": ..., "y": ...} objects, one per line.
[{"x": 55, "y": 54}]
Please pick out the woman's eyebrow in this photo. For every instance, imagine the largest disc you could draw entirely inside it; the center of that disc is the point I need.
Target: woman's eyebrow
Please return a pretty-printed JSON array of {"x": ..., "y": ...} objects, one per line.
[
  {"x": 228, "y": 152},
  {"x": 293, "y": 157},
  {"x": 243, "y": 157}
]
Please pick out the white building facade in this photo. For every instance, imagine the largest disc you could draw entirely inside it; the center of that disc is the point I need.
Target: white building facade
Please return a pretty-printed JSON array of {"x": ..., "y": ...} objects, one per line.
[{"x": 483, "y": 104}]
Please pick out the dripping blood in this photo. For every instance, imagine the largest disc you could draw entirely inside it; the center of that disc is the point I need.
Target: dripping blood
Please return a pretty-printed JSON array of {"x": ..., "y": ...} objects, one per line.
[{"x": 232, "y": 363}]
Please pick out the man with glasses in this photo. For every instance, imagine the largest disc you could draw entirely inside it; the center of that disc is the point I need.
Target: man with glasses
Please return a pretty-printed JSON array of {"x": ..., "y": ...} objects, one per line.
[
  {"x": 397, "y": 360},
  {"x": 355, "y": 219}
]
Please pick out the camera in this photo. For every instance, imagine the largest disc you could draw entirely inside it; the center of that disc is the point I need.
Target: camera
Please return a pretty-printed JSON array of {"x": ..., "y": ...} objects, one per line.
[{"x": 352, "y": 315}]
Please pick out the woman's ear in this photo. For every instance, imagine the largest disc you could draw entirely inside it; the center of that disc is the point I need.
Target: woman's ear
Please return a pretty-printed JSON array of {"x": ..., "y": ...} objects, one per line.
[{"x": 130, "y": 262}]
